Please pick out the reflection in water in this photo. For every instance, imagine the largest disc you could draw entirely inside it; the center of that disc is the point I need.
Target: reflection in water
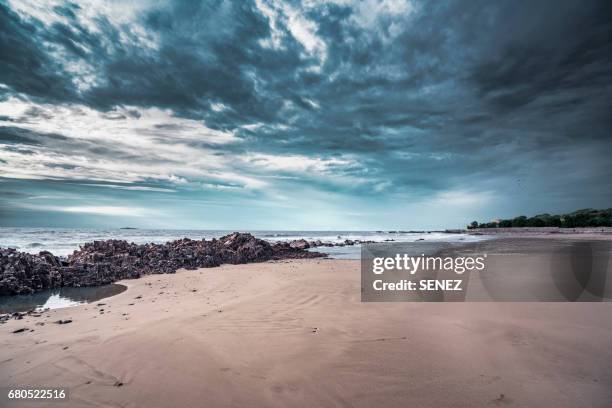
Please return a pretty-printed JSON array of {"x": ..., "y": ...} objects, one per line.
[{"x": 58, "y": 298}]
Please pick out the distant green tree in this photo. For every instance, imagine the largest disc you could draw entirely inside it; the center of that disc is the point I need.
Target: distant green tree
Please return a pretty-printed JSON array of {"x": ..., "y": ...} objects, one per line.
[
  {"x": 586, "y": 217},
  {"x": 581, "y": 220},
  {"x": 544, "y": 220},
  {"x": 567, "y": 221},
  {"x": 534, "y": 222},
  {"x": 554, "y": 221},
  {"x": 520, "y": 221}
]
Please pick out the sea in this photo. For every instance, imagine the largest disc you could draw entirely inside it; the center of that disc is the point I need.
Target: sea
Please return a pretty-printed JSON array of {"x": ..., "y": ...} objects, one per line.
[{"x": 64, "y": 241}]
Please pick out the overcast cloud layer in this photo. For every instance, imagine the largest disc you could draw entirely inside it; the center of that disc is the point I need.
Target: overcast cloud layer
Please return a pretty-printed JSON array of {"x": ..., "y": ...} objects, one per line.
[{"x": 302, "y": 115}]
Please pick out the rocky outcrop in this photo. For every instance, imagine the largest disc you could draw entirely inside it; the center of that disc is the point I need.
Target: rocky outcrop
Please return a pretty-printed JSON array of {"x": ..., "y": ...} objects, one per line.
[
  {"x": 346, "y": 242},
  {"x": 27, "y": 273},
  {"x": 299, "y": 244},
  {"x": 103, "y": 262}
]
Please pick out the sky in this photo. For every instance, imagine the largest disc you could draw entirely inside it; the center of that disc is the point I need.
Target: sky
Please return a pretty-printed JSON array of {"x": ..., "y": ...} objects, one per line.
[{"x": 318, "y": 115}]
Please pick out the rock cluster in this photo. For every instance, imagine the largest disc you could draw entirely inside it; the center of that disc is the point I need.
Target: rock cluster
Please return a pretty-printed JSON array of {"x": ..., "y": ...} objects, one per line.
[
  {"x": 4, "y": 317},
  {"x": 103, "y": 262},
  {"x": 303, "y": 244},
  {"x": 26, "y": 273}
]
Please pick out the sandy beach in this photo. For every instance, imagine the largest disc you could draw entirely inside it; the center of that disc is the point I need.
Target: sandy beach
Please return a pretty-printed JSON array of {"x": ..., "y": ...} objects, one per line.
[
  {"x": 305, "y": 204},
  {"x": 295, "y": 334}
]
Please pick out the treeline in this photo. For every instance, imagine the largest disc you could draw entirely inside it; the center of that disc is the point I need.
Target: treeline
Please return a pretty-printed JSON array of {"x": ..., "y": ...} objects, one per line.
[{"x": 582, "y": 218}]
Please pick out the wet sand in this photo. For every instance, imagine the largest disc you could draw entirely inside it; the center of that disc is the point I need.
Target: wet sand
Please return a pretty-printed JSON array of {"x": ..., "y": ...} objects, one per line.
[{"x": 295, "y": 334}]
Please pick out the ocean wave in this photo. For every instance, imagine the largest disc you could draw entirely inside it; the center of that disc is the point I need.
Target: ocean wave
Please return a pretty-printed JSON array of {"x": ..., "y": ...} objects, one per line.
[
  {"x": 277, "y": 235},
  {"x": 62, "y": 242},
  {"x": 34, "y": 245}
]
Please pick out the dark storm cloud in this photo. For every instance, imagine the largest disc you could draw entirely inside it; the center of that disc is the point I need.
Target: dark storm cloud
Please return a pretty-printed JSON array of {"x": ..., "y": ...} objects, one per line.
[
  {"x": 26, "y": 66},
  {"x": 16, "y": 135},
  {"x": 23, "y": 136},
  {"x": 207, "y": 53},
  {"x": 570, "y": 51},
  {"x": 456, "y": 95}
]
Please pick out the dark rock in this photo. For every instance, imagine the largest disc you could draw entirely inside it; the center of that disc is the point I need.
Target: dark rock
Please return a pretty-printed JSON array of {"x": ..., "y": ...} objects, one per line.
[
  {"x": 20, "y": 330},
  {"x": 299, "y": 244},
  {"x": 23, "y": 273},
  {"x": 64, "y": 321},
  {"x": 103, "y": 262}
]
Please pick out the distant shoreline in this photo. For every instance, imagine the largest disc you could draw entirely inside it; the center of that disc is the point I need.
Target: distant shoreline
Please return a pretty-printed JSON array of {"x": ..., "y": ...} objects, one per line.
[{"x": 536, "y": 230}]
